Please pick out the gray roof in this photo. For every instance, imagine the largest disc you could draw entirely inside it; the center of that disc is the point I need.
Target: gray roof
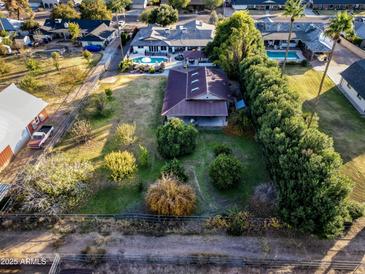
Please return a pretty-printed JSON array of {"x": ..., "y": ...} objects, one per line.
[
  {"x": 193, "y": 33},
  {"x": 354, "y": 75},
  {"x": 4, "y": 190},
  {"x": 101, "y": 33},
  {"x": 308, "y": 33},
  {"x": 192, "y": 2},
  {"x": 187, "y": 89},
  {"x": 258, "y": 2},
  {"x": 338, "y": 2},
  {"x": 360, "y": 29}
]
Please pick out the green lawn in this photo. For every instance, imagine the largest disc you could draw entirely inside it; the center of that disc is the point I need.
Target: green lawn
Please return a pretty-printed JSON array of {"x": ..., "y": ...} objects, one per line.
[
  {"x": 337, "y": 118},
  {"x": 138, "y": 99}
]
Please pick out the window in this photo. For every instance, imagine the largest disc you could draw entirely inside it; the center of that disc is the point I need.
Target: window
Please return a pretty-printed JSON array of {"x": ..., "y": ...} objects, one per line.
[
  {"x": 359, "y": 96},
  {"x": 163, "y": 48},
  {"x": 140, "y": 47},
  {"x": 348, "y": 85}
]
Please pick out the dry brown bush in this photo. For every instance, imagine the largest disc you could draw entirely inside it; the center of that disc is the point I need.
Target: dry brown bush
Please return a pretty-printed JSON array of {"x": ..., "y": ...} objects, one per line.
[{"x": 169, "y": 197}]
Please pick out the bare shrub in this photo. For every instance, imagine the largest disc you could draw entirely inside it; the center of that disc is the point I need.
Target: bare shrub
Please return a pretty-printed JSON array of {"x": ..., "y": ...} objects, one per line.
[
  {"x": 126, "y": 133},
  {"x": 93, "y": 255},
  {"x": 81, "y": 131}
]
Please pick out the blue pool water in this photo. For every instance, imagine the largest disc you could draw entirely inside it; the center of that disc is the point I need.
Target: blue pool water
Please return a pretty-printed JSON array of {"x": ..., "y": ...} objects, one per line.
[
  {"x": 149, "y": 60},
  {"x": 280, "y": 55}
]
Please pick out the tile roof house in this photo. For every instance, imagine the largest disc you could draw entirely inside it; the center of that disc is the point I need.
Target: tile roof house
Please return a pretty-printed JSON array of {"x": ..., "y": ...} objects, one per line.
[
  {"x": 353, "y": 85},
  {"x": 93, "y": 32},
  {"x": 193, "y": 35},
  {"x": 197, "y": 94},
  {"x": 337, "y": 4},
  {"x": 309, "y": 37},
  {"x": 20, "y": 114}
]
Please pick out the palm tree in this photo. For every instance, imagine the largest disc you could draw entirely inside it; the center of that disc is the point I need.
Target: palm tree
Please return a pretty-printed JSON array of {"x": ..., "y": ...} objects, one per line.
[
  {"x": 294, "y": 9},
  {"x": 341, "y": 24}
]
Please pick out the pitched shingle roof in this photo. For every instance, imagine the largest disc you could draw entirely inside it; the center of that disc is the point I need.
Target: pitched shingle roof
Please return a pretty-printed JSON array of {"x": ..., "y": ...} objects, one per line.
[
  {"x": 309, "y": 33},
  {"x": 258, "y": 2},
  {"x": 189, "y": 92},
  {"x": 101, "y": 33},
  {"x": 193, "y": 33},
  {"x": 85, "y": 25},
  {"x": 6, "y": 25},
  {"x": 354, "y": 75},
  {"x": 338, "y": 2}
]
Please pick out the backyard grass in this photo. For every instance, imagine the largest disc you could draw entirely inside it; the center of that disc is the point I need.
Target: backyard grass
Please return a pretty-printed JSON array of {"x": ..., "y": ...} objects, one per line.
[
  {"x": 52, "y": 85},
  {"x": 138, "y": 99},
  {"x": 337, "y": 118}
]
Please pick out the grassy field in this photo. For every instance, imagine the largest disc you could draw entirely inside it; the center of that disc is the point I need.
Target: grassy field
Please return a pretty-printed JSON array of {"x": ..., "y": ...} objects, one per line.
[
  {"x": 52, "y": 85},
  {"x": 337, "y": 118},
  {"x": 138, "y": 99}
]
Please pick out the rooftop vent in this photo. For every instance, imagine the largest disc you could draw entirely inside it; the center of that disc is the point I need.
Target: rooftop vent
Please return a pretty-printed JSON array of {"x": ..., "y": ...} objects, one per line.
[
  {"x": 195, "y": 73},
  {"x": 195, "y": 89},
  {"x": 194, "y": 81}
]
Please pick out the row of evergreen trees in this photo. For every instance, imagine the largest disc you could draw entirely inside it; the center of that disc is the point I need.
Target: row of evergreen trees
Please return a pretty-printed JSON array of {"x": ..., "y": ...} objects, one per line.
[{"x": 313, "y": 195}]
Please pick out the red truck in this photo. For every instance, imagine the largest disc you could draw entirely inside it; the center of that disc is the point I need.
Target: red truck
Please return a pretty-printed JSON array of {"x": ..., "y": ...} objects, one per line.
[{"x": 40, "y": 137}]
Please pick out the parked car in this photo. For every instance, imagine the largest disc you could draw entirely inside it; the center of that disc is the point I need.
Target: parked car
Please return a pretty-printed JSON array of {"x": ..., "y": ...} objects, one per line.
[
  {"x": 179, "y": 57},
  {"x": 93, "y": 48},
  {"x": 40, "y": 137}
]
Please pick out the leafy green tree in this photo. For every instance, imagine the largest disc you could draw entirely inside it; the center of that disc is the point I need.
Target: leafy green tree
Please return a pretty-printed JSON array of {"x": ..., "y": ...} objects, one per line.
[
  {"x": 143, "y": 156},
  {"x": 4, "y": 67},
  {"x": 119, "y": 6},
  {"x": 87, "y": 56},
  {"x": 75, "y": 31},
  {"x": 175, "y": 139},
  {"x": 109, "y": 93},
  {"x": 121, "y": 165},
  {"x": 213, "y": 4},
  {"x": 233, "y": 41},
  {"x": 179, "y": 4},
  {"x": 294, "y": 9},
  {"x": 30, "y": 25},
  {"x": 126, "y": 65},
  {"x": 56, "y": 59},
  {"x": 64, "y": 11},
  {"x": 222, "y": 149},
  {"x": 163, "y": 15},
  {"x": 29, "y": 83},
  {"x": 341, "y": 24},
  {"x": 174, "y": 168},
  {"x": 225, "y": 172},
  {"x": 95, "y": 10},
  {"x": 55, "y": 185},
  {"x": 18, "y": 7},
  {"x": 32, "y": 65},
  {"x": 170, "y": 197}
]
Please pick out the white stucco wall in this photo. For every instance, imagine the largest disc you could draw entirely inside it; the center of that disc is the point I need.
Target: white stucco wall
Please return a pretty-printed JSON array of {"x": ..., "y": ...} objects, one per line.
[
  {"x": 357, "y": 101},
  {"x": 93, "y": 43}
]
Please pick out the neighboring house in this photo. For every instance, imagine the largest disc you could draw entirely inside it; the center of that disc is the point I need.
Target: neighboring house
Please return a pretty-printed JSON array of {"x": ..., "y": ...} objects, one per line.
[
  {"x": 359, "y": 28},
  {"x": 21, "y": 41},
  {"x": 309, "y": 37},
  {"x": 6, "y": 25},
  {"x": 101, "y": 36},
  {"x": 353, "y": 85},
  {"x": 198, "y": 95},
  {"x": 193, "y": 35},
  {"x": 20, "y": 114},
  {"x": 258, "y": 4},
  {"x": 93, "y": 32},
  {"x": 194, "y": 4},
  {"x": 50, "y": 4},
  {"x": 337, "y": 4},
  {"x": 139, "y": 4},
  {"x": 195, "y": 57}
]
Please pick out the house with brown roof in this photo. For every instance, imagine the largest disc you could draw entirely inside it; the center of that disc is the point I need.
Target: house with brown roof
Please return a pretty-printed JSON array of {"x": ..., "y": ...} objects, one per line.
[{"x": 198, "y": 95}]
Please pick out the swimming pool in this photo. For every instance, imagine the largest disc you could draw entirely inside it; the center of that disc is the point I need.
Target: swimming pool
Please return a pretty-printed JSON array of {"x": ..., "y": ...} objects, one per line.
[
  {"x": 149, "y": 60},
  {"x": 280, "y": 55}
]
